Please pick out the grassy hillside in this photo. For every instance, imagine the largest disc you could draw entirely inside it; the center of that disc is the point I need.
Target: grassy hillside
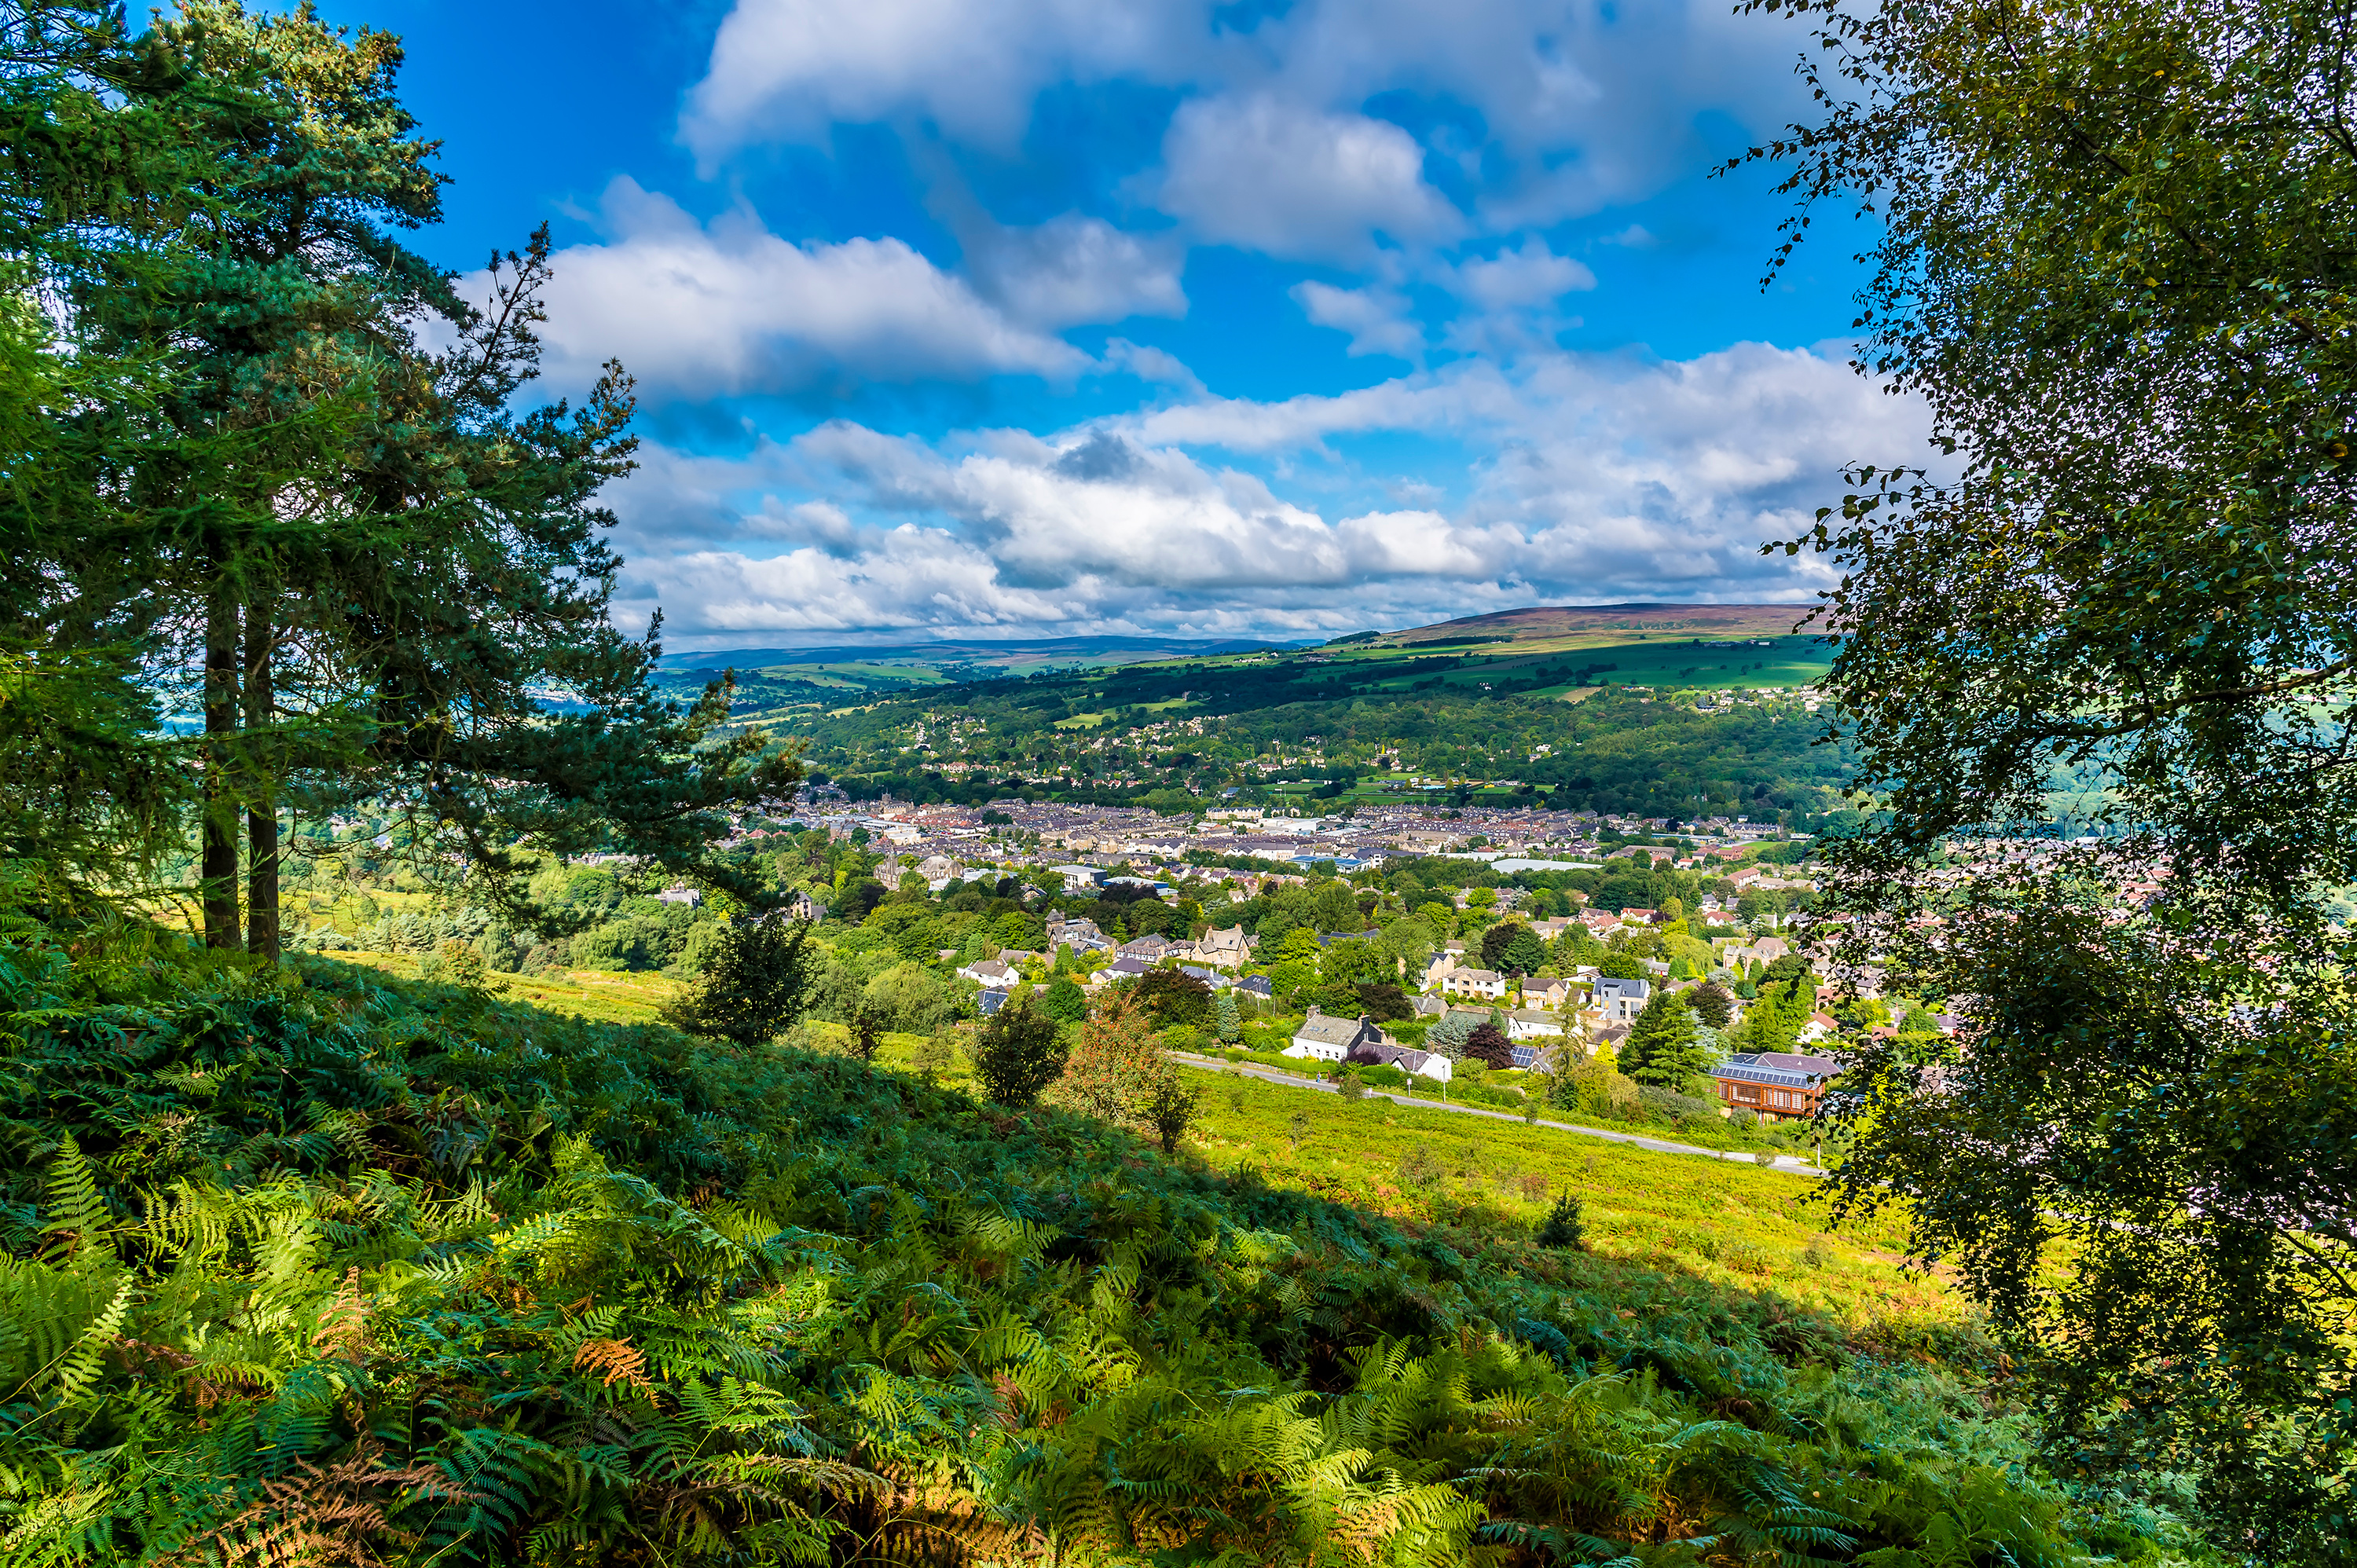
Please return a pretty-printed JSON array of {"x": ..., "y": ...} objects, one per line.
[{"x": 315, "y": 1266}]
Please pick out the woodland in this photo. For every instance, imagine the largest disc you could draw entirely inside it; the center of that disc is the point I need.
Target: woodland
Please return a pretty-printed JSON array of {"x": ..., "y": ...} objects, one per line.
[{"x": 303, "y": 1261}]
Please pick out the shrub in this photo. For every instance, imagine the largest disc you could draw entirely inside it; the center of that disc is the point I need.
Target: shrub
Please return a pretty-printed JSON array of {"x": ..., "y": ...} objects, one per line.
[
  {"x": 1169, "y": 996},
  {"x": 1678, "y": 1110},
  {"x": 1564, "y": 1229},
  {"x": 1169, "y": 1104},
  {"x": 907, "y": 998},
  {"x": 1420, "y": 1168},
  {"x": 1067, "y": 1002},
  {"x": 1017, "y": 1054},
  {"x": 755, "y": 982}
]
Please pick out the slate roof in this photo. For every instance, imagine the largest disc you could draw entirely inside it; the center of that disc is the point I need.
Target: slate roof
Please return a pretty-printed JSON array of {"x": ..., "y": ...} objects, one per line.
[{"x": 1331, "y": 1030}]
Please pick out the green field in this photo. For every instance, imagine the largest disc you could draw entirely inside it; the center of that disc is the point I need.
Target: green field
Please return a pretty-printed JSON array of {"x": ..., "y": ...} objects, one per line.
[{"x": 1657, "y": 661}]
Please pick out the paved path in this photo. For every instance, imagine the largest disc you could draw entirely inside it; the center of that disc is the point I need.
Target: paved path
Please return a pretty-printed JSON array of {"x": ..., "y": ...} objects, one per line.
[{"x": 1660, "y": 1146}]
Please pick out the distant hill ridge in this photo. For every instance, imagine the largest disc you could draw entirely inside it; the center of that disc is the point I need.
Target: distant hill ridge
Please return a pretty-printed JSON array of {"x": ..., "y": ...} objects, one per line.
[
  {"x": 1537, "y": 622},
  {"x": 977, "y": 650},
  {"x": 1601, "y": 623}
]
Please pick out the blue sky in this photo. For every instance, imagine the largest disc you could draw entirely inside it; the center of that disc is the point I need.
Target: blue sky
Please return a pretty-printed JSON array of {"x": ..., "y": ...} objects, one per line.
[{"x": 1036, "y": 317}]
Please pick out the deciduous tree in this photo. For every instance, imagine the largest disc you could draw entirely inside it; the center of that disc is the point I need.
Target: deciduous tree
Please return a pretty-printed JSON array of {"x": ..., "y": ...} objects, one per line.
[{"x": 2117, "y": 262}]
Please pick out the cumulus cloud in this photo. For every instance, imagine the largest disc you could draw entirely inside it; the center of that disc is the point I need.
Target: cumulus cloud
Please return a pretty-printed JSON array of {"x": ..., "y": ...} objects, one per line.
[
  {"x": 1518, "y": 279},
  {"x": 1377, "y": 318},
  {"x": 1074, "y": 270},
  {"x": 703, "y": 310},
  {"x": 792, "y": 68},
  {"x": 1292, "y": 181},
  {"x": 1586, "y": 104},
  {"x": 1606, "y": 479}
]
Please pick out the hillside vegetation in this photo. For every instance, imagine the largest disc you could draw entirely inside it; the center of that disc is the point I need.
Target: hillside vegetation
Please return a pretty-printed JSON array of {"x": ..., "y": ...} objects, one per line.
[{"x": 308, "y": 1266}]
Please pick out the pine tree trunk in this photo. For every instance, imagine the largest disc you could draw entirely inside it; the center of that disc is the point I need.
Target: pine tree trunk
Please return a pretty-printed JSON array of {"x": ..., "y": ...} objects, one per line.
[
  {"x": 261, "y": 935},
  {"x": 218, "y": 872}
]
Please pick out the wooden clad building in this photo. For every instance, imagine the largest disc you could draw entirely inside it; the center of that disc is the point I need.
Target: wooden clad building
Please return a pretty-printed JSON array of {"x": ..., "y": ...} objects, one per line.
[{"x": 1776, "y": 1084}]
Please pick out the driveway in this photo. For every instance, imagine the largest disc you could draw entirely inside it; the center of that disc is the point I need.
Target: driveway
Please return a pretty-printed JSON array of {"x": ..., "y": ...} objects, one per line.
[{"x": 1789, "y": 1163}]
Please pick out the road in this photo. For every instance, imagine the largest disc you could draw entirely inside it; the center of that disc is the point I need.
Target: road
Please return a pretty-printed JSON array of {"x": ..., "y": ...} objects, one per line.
[{"x": 1792, "y": 1164}]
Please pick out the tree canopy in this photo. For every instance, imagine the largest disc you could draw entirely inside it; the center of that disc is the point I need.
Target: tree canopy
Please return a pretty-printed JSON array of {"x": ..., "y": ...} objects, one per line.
[{"x": 2118, "y": 260}]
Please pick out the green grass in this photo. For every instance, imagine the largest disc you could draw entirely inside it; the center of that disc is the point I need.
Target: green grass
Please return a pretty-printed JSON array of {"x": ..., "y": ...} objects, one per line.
[
  {"x": 1735, "y": 1226},
  {"x": 600, "y": 996}
]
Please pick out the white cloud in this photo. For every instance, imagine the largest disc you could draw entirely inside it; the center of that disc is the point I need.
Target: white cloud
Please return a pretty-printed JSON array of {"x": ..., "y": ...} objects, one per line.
[
  {"x": 1298, "y": 182},
  {"x": 1518, "y": 279},
  {"x": 1593, "y": 480},
  {"x": 1075, "y": 270},
  {"x": 707, "y": 310},
  {"x": 792, "y": 68},
  {"x": 1586, "y": 104},
  {"x": 1377, "y": 318}
]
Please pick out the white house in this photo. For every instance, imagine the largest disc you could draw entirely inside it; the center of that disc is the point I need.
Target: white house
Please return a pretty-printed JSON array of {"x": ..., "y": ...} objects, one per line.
[
  {"x": 1327, "y": 1038},
  {"x": 1621, "y": 1000},
  {"x": 1473, "y": 982},
  {"x": 990, "y": 973},
  {"x": 1530, "y": 1024}
]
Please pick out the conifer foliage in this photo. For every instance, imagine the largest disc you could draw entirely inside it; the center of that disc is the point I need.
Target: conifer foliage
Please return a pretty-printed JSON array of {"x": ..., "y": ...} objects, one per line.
[{"x": 266, "y": 498}]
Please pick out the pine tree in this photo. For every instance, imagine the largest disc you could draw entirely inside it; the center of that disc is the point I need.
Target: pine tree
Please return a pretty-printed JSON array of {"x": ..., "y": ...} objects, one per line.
[
  {"x": 370, "y": 589},
  {"x": 1665, "y": 1046},
  {"x": 102, "y": 187},
  {"x": 756, "y": 982}
]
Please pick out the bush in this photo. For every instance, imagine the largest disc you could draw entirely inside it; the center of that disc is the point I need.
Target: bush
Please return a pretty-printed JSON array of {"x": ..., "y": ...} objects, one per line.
[
  {"x": 756, "y": 981},
  {"x": 1171, "y": 996},
  {"x": 1017, "y": 1054},
  {"x": 1678, "y": 1110},
  {"x": 908, "y": 999},
  {"x": 1564, "y": 1229},
  {"x": 1420, "y": 1168}
]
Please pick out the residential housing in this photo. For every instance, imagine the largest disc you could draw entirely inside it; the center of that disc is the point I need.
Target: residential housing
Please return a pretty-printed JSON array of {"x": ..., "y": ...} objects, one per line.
[
  {"x": 1383, "y": 1051},
  {"x": 1775, "y": 1084},
  {"x": 991, "y": 973},
  {"x": 1326, "y": 1037},
  {"x": 1473, "y": 982},
  {"x": 1621, "y": 1000}
]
